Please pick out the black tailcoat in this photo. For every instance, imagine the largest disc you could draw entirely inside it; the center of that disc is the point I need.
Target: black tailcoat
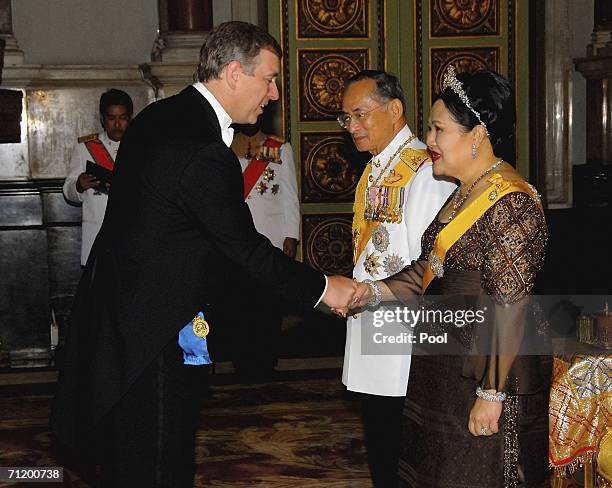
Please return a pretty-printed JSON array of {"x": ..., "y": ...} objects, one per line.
[{"x": 176, "y": 221}]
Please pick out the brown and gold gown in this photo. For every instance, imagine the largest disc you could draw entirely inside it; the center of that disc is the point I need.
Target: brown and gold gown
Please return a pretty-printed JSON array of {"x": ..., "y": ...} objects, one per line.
[{"x": 499, "y": 255}]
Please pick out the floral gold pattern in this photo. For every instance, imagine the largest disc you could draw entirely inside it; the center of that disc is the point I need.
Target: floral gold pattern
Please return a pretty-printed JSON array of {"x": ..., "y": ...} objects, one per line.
[
  {"x": 465, "y": 60},
  {"x": 328, "y": 243},
  {"x": 332, "y": 18},
  {"x": 464, "y": 17},
  {"x": 331, "y": 167},
  {"x": 322, "y": 76}
]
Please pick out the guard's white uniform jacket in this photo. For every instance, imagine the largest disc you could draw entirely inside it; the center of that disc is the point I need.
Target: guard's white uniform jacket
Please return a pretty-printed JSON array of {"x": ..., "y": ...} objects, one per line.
[
  {"x": 387, "y": 375},
  {"x": 276, "y": 211},
  {"x": 94, "y": 202}
]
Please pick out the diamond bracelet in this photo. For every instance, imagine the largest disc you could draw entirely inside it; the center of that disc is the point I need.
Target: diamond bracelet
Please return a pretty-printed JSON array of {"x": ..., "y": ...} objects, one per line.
[
  {"x": 377, "y": 298},
  {"x": 490, "y": 397}
]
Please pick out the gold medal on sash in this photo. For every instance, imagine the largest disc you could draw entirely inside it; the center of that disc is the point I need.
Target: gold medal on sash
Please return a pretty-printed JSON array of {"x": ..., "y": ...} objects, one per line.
[
  {"x": 268, "y": 174},
  {"x": 200, "y": 327},
  {"x": 261, "y": 188}
]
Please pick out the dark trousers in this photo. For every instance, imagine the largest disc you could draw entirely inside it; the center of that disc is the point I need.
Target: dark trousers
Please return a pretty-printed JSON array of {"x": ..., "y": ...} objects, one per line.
[
  {"x": 149, "y": 437},
  {"x": 248, "y": 328},
  {"x": 382, "y": 427},
  {"x": 256, "y": 347}
]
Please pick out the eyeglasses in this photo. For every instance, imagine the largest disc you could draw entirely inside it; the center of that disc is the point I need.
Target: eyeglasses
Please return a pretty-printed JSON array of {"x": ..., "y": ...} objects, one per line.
[{"x": 345, "y": 119}]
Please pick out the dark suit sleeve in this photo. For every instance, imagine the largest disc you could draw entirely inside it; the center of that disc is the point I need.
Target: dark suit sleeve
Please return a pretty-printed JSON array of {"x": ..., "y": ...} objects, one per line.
[{"x": 211, "y": 189}]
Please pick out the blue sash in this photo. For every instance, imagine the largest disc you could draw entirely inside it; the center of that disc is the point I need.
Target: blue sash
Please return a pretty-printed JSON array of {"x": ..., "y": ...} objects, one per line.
[{"x": 195, "y": 349}]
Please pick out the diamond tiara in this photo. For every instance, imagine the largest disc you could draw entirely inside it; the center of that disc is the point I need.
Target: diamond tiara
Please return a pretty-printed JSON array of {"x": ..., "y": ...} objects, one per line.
[{"x": 450, "y": 81}]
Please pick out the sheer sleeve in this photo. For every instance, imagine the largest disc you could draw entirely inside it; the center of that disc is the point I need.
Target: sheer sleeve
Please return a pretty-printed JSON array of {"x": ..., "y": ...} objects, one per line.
[
  {"x": 514, "y": 235},
  {"x": 407, "y": 283}
]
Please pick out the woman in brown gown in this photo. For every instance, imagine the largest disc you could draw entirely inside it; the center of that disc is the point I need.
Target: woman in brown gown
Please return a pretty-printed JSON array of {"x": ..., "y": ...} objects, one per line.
[{"x": 452, "y": 436}]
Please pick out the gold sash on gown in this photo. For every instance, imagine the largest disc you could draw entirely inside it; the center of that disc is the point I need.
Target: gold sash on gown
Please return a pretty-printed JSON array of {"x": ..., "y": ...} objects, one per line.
[{"x": 453, "y": 231}]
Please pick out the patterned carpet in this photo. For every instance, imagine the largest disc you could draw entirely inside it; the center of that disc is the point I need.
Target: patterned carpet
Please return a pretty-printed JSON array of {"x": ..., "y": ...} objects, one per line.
[{"x": 304, "y": 433}]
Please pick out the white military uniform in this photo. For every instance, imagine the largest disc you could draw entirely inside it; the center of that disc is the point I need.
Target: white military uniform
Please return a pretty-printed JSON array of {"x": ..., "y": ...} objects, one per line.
[
  {"x": 387, "y": 375},
  {"x": 94, "y": 202},
  {"x": 274, "y": 202}
]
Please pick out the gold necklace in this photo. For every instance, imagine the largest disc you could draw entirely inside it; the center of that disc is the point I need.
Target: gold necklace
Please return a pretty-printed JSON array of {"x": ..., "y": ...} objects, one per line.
[
  {"x": 399, "y": 149},
  {"x": 457, "y": 203}
]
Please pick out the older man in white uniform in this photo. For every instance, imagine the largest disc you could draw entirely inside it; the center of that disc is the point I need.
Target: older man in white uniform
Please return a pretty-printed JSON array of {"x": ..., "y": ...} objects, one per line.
[{"x": 396, "y": 199}]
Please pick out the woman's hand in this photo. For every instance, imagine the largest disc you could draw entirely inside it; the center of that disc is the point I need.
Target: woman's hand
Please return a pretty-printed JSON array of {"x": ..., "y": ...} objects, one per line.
[
  {"x": 484, "y": 417},
  {"x": 362, "y": 296}
]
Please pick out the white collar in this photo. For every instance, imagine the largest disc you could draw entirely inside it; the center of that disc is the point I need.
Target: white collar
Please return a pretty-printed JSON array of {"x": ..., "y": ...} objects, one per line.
[
  {"x": 107, "y": 141},
  {"x": 227, "y": 133},
  {"x": 404, "y": 134}
]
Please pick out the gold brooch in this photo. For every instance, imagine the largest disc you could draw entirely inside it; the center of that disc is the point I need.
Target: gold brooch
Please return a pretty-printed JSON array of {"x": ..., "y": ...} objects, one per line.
[
  {"x": 392, "y": 177},
  {"x": 371, "y": 264},
  {"x": 436, "y": 265}
]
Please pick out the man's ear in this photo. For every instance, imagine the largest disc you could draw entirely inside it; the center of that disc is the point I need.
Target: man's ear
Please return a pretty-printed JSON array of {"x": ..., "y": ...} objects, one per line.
[
  {"x": 396, "y": 108},
  {"x": 233, "y": 72}
]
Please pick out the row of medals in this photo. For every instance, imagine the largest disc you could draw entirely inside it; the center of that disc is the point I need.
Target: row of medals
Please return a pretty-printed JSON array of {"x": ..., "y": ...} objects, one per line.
[
  {"x": 271, "y": 155},
  {"x": 384, "y": 203}
]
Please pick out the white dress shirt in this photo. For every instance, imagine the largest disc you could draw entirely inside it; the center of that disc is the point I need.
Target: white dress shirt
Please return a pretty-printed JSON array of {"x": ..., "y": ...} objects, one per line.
[{"x": 227, "y": 132}]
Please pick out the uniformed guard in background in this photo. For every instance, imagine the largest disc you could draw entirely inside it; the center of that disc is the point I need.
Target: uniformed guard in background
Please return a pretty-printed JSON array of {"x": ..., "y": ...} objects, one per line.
[{"x": 116, "y": 109}]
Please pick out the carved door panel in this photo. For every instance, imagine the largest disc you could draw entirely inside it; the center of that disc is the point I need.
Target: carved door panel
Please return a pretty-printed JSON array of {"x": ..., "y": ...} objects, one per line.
[
  {"x": 327, "y": 41},
  {"x": 473, "y": 35}
]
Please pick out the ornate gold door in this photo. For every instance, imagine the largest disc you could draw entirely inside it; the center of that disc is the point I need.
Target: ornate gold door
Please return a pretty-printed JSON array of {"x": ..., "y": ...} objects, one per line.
[{"x": 327, "y": 41}]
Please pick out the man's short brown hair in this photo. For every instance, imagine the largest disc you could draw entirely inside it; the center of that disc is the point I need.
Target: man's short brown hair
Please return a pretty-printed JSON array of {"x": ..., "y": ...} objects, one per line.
[{"x": 233, "y": 41}]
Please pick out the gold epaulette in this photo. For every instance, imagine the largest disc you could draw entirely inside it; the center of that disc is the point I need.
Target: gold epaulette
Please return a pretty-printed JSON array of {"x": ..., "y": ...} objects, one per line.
[
  {"x": 88, "y": 137},
  {"x": 414, "y": 158}
]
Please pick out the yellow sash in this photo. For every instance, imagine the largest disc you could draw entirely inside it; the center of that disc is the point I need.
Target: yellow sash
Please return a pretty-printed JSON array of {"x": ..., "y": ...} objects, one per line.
[
  {"x": 412, "y": 159},
  {"x": 466, "y": 218}
]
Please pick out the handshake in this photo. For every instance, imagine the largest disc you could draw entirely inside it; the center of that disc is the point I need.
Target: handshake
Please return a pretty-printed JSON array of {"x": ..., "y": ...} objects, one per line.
[{"x": 344, "y": 295}]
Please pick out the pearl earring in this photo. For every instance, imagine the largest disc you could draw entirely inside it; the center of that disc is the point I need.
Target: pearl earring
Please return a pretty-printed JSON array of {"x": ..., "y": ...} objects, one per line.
[{"x": 473, "y": 151}]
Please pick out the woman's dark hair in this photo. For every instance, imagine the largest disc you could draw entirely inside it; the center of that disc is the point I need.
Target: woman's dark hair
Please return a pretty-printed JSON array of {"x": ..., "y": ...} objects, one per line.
[
  {"x": 491, "y": 95},
  {"x": 388, "y": 85}
]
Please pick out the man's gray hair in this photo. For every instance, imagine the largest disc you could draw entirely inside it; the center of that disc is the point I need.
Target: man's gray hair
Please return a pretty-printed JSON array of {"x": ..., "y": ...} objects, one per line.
[{"x": 233, "y": 41}]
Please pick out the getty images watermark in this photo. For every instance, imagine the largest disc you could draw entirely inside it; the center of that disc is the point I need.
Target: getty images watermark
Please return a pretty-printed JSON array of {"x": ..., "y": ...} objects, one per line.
[
  {"x": 479, "y": 325},
  {"x": 410, "y": 317}
]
